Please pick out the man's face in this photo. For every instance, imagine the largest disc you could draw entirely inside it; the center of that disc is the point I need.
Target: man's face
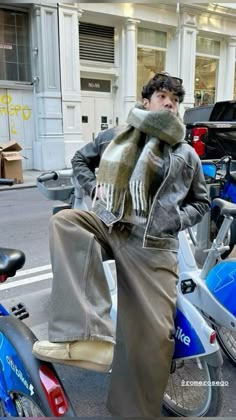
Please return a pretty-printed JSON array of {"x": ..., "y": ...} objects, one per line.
[{"x": 162, "y": 99}]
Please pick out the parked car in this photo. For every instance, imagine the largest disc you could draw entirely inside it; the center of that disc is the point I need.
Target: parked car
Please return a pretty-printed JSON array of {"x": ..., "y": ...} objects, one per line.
[{"x": 211, "y": 129}]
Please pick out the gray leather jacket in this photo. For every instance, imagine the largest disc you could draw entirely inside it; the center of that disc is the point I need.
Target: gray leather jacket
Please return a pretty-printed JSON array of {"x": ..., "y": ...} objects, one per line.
[{"x": 181, "y": 200}]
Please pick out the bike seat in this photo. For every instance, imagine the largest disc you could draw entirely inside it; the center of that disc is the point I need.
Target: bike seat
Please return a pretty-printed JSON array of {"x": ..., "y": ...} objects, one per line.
[
  {"x": 11, "y": 260},
  {"x": 225, "y": 206}
]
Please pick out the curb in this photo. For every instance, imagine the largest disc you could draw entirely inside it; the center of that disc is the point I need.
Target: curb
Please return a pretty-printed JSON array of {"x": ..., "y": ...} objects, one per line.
[{"x": 17, "y": 187}]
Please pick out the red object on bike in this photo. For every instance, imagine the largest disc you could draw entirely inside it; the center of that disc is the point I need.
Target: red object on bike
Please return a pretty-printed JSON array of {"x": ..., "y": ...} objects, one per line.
[
  {"x": 3, "y": 278},
  {"x": 213, "y": 337},
  {"x": 197, "y": 143},
  {"x": 53, "y": 391}
]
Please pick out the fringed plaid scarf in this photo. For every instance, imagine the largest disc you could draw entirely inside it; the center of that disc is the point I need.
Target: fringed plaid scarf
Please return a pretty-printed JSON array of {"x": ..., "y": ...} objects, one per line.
[{"x": 128, "y": 166}]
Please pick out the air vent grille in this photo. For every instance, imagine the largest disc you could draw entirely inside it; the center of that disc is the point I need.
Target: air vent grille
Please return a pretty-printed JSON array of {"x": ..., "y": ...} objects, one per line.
[{"x": 96, "y": 42}]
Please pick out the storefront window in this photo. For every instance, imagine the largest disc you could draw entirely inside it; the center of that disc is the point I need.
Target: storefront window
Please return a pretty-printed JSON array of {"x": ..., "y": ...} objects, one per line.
[
  {"x": 206, "y": 70},
  {"x": 14, "y": 46},
  {"x": 149, "y": 63},
  {"x": 151, "y": 55},
  {"x": 152, "y": 38},
  {"x": 208, "y": 46}
]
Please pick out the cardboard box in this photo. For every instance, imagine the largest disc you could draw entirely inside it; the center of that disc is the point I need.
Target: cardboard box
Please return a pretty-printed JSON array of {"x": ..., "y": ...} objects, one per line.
[{"x": 11, "y": 161}]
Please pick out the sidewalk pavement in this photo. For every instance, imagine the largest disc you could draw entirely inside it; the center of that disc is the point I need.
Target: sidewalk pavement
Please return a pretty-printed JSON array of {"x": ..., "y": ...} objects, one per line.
[{"x": 29, "y": 176}]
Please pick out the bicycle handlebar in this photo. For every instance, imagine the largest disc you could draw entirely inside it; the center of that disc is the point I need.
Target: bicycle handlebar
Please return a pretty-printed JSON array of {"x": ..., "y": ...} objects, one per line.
[
  {"x": 48, "y": 176},
  {"x": 60, "y": 190},
  {"x": 7, "y": 181}
]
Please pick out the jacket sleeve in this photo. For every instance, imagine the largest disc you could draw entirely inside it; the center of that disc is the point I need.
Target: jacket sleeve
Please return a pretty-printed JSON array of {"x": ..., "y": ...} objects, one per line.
[
  {"x": 197, "y": 203},
  {"x": 84, "y": 163},
  {"x": 87, "y": 159}
]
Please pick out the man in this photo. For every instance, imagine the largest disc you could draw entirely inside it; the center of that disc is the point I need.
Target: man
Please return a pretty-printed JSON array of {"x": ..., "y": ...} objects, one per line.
[{"x": 149, "y": 186}]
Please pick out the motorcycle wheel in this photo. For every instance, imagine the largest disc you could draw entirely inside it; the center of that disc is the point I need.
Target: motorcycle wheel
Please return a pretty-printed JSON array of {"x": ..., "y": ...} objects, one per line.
[{"x": 191, "y": 392}]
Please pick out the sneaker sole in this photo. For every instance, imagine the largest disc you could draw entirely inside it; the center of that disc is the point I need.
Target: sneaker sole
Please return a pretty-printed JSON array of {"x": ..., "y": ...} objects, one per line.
[{"x": 79, "y": 363}]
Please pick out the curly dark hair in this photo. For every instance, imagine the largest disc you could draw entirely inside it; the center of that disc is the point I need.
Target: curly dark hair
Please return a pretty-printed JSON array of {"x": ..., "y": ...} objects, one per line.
[{"x": 163, "y": 81}]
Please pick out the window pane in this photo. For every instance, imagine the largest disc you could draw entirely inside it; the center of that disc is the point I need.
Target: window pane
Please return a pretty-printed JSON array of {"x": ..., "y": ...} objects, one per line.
[
  {"x": 2, "y": 71},
  {"x": 149, "y": 62},
  {"x": 22, "y": 37},
  {"x": 11, "y": 71},
  {"x": 206, "y": 73},
  {"x": 14, "y": 45},
  {"x": 9, "y": 34},
  {"x": 23, "y": 55},
  {"x": 1, "y": 33},
  {"x": 8, "y": 18},
  {"x": 208, "y": 46},
  {"x": 20, "y": 19},
  {"x": 24, "y": 73},
  {"x": 1, "y": 17},
  {"x": 10, "y": 54},
  {"x": 152, "y": 38},
  {"x": 2, "y": 56}
]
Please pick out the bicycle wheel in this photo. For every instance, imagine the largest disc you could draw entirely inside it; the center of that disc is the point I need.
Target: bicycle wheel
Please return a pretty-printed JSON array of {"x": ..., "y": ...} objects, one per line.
[
  {"x": 32, "y": 385},
  {"x": 24, "y": 407},
  {"x": 189, "y": 394},
  {"x": 227, "y": 341}
]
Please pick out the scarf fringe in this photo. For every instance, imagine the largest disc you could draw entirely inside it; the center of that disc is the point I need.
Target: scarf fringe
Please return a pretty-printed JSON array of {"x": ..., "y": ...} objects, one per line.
[
  {"x": 111, "y": 195},
  {"x": 138, "y": 194}
]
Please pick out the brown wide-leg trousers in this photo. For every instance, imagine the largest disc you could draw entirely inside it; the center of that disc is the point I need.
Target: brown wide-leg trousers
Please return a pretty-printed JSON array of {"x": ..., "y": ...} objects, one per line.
[{"x": 81, "y": 303}]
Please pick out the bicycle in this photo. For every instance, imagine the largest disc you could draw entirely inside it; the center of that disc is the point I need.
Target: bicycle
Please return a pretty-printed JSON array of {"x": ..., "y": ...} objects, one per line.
[
  {"x": 28, "y": 387},
  {"x": 219, "y": 309},
  {"x": 222, "y": 186},
  {"x": 196, "y": 349},
  {"x": 221, "y": 182}
]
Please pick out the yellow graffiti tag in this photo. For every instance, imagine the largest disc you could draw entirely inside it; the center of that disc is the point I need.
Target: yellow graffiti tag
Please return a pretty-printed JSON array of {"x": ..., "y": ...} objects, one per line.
[
  {"x": 13, "y": 128},
  {"x": 5, "y": 99},
  {"x": 7, "y": 108}
]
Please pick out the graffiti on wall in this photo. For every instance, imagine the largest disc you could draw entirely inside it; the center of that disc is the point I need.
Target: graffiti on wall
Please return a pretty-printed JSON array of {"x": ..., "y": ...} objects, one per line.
[
  {"x": 12, "y": 109},
  {"x": 17, "y": 120},
  {"x": 7, "y": 107}
]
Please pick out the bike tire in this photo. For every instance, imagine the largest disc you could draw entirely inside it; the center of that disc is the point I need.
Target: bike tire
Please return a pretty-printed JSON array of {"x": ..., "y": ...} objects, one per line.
[
  {"x": 21, "y": 339},
  {"x": 183, "y": 399},
  {"x": 25, "y": 407},
  {"x": 227, "y": 341}
]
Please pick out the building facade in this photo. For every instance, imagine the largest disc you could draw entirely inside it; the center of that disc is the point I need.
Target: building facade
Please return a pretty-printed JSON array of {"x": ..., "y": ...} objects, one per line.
[{"x": 68, "y": 71}]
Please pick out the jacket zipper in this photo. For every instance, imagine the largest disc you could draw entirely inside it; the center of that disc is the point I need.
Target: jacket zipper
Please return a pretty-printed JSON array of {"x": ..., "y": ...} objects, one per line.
[{"x": 161, "y": 186}]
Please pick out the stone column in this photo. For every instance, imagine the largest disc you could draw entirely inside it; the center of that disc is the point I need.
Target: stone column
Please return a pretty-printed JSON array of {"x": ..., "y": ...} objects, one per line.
[
  {"x": 70, "y": 78},
  {"x": 187, "y": 54},
  {"x": 230, "y": 66},
  {"x": 130, "y": 65},
  {"x": 48, "y": 147}
]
